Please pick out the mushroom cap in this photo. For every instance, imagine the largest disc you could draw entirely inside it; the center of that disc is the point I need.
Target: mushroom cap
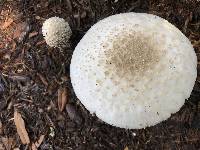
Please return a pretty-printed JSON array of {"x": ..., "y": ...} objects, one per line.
[
  {"x": 133, "y": 70},
  {"x": 56, "y": 32}
]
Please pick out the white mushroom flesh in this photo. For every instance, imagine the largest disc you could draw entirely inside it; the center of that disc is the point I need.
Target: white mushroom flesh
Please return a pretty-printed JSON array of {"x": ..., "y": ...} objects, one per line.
[
  {"x": 56, "y": 32},
  {"x": 133, "y": 70}
]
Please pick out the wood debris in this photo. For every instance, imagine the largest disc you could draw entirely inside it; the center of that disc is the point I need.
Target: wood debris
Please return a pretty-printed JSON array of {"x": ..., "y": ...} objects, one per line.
[
  {"x": 43, "y": 79},
  {"x": 21, "y": 30},
  {"x": 21, "y": 130},
  {"x": 13, "y": 46},
  {"x": 1, "y": 127},
  {"x": 21, "y": 78},
  {"x": 73, "y": 114},
  {"x": 37, "y": 17},
  {"x": 7, "y": 23},
  {"x": 126, "y": 148},
  {"x": 1, "y": 146},
  {"x": 189, "y": 18},
  {"x": 32, "y": 34},
  {"x": 37, "y": 144},
  {"x": 62, "y": 98},
  {"x": 39, "y": 141},
  {"x": 7, "y": 143},
  {"x": 1, "y": 45},
  {"x": 40, "y": 42}
]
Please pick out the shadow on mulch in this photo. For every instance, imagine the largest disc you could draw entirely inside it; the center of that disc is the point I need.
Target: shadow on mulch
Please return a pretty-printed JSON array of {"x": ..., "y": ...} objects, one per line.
[{"x": 32, "y": 73}]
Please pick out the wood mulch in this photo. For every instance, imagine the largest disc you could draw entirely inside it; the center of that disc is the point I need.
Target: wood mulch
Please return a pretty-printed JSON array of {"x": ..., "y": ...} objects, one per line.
[{"x": 38, "y": 108}]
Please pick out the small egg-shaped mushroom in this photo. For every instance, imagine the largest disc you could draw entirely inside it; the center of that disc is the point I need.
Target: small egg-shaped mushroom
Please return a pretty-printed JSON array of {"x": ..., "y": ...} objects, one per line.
[
  {"x": 56, "y": 32},
  {"x": 133, "y": 70}
]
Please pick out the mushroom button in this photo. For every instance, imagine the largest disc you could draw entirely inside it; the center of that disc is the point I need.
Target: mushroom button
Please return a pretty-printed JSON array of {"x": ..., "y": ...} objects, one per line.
[{"x": 56, "y": 32}]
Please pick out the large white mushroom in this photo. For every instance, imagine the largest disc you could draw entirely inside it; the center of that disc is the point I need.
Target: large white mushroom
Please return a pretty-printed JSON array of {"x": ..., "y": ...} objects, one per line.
[
  {"x": 56, "y": 32},
  {"x": 133, "y": 70}
]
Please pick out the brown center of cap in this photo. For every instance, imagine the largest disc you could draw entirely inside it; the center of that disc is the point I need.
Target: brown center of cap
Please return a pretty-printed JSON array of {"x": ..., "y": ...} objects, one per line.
[{"x": 132, "y": 54}]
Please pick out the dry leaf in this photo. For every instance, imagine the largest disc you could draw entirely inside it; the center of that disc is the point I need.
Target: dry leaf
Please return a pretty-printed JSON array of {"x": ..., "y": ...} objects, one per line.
[
  {"x": 62, "y": 98},
  {"x": 7, "y": 23},
  {"x": 21, "y": 130},
  {"x": 126, "y": 148}
]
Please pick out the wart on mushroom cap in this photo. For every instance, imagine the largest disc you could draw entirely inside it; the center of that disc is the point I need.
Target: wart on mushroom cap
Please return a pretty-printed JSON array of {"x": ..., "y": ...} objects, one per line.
[
  {"x": 133, "y": 70},
  {"x": 56, "y": 32}
]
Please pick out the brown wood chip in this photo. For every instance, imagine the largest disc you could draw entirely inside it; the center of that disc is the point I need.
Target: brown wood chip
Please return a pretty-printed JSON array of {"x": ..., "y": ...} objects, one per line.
[
  {"x": 21, "y": 30},
  {"x": 39, "y": 141},
  {"x": 37, "y": 17},
  {"x": 2, "y": 146},
  {"x": 21, "y": 130},
  {"x": 74, "y": 115},
  {"x": 1, "y": 127},
  {"x": 8, "y": 143},
  {"x": 33, "y": 146},
  {"x": 7, "y": 23},
  {"x": 126, "y": 148},
  {"x": 40, "y": 42},
  {"x": 32, "y": 34},
  {"x": 43, "y": 79},
  {"x": 62, "y": 98}
]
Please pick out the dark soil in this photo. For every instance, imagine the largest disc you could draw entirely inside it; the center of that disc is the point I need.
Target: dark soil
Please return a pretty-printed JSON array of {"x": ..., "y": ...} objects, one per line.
[{"x": 32, "y": 73}]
